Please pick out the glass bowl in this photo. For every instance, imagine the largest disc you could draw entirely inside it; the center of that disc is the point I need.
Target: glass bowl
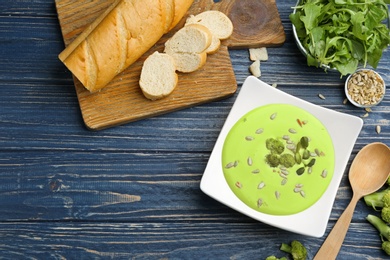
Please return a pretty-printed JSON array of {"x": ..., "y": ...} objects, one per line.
[{"x": 365, "y": 88}]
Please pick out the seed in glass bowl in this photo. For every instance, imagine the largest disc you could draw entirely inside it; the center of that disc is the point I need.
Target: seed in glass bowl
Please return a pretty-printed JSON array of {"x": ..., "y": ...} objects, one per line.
[{"x": 365, "y": 88}]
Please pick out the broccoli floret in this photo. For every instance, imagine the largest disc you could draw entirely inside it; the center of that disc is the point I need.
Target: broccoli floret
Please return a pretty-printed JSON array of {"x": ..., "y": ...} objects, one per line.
[
  {"x": 272, "y": 160},
  {"x": 287, "y": 160},
  {"x": 377, "y": 199},
  {"x": 272, "y": 257},
  {"x": 274, "y": 145},
  {"x": 296, "y": 249},
  {"x": 385, "y": 214},
  {"x": 386, "y": 199},
  {"x": 386, "y": 247},
  {"x": 380, "y": 225}
]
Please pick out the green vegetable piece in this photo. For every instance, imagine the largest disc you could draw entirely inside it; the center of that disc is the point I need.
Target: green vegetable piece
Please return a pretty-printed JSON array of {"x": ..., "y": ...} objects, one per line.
[
  {"x": 380, "y": 225},
  {"x": 375, "y": 200},
  {"x": 311, "y": 163},
  {"x": 386, "y": 198},
  {"x": 306, "y": 155},
  {"x": 342, "y": 34},
  {"x": 274, "y": 145},
  {"x": 301, "y": 170},
  {"x": 298, "y": 158},
  {"x": 386, "y": 247},
  {"x": 310, "y": 18},
  {"x": 287, "y": 160},
  {"x": 296, "y": 249},
  {"x": 272, "y": 160},
  {"x": 385, "y": 214},
  {"x": 304, "y": 142},
  {"x": 272, "y": 257}
]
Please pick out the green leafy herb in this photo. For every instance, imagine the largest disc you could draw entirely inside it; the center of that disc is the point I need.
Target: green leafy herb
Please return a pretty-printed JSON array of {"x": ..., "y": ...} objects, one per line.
[{"x": 342, "y": 34}]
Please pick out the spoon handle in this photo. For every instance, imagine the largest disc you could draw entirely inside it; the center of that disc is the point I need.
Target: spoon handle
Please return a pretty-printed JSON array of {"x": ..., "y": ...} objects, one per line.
[{"x": 331, "y": 246}]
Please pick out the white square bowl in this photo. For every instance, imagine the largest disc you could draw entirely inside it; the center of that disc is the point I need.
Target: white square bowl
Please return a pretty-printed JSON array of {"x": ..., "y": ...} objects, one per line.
[{"x": 343, "y": 130}]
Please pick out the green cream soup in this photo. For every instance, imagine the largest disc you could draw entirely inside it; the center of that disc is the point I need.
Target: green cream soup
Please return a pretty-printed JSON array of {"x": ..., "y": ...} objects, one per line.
[{"x": 278, "y": 159}]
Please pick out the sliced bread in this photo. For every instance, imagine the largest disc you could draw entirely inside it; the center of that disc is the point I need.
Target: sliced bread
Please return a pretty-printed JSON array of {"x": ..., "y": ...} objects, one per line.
[
  {"x": 217, "y": 22},
  {"x": 158, "y": 76},
  {"x": 187, "y": 62},
  {"x": 195, "y": 38}
]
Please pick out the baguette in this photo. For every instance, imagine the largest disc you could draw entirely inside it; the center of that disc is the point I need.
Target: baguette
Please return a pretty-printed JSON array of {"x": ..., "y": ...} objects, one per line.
[{"x": 119, "y": 37}]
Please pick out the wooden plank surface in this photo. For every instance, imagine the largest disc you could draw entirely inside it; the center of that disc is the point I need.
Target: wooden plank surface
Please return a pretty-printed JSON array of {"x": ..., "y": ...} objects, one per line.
[
  {"x": 122, "y": 100},
  {"x": 132, "y": 191}
]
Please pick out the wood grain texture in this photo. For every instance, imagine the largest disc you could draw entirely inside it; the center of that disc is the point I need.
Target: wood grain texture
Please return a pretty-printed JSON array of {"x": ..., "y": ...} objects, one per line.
[
  {"x": 122, "y": 100},
  {"x": 132, "y": 191}
]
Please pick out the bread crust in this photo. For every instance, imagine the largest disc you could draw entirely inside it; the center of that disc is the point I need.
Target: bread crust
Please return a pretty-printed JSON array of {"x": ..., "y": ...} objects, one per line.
[{"x": 122, "y": 36}]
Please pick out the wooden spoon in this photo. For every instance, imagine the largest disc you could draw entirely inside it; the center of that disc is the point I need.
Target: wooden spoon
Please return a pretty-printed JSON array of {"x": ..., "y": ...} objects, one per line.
[{"x": 369, "y": 172}]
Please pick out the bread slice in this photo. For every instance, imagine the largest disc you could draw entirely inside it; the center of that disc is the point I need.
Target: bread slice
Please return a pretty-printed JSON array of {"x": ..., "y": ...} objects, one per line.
[
  {"x": 158, "y": 76},
  {"x": 194, "y": 38},
  {"x": 187, "y": 62},
  {"x": 217, "y": 22}
]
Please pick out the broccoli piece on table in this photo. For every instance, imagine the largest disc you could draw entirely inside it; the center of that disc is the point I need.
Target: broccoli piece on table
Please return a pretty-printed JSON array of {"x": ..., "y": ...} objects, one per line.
[
  {"x": 386, "y": 198},
  {"x": 386, "y": 247},
  {"x": 380, "y": 225},
  {"x": 272, "y": 257},
  {"x": 378, "y": 199},
  {"x": 385, "y": 214},
  {"x": 296, "y": 249}
]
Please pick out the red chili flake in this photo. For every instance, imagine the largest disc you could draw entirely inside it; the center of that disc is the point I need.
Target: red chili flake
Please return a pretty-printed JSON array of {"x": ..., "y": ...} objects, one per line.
[
  {"x": 299, "y": 122},
  {"x": 238, "y": 185}
]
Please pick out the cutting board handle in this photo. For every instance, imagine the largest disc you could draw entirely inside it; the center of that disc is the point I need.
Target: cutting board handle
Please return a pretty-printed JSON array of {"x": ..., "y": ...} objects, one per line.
[{"x": 252, "y": 20}]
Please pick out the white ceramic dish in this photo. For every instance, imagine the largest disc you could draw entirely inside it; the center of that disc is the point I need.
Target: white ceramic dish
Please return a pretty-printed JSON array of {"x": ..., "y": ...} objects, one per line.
[{"x": 343, "y": 129}]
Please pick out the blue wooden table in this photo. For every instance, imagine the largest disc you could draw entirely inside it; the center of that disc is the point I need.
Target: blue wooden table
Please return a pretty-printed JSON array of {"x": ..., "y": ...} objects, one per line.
[{"x": 132, "y": 191}]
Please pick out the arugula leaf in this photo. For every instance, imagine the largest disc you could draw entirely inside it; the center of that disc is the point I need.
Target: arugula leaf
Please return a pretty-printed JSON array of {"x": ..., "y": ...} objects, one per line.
[{"x": 342, "y": 34}]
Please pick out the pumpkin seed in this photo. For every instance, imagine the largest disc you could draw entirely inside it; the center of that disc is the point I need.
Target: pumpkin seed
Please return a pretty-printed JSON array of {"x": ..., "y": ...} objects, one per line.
[
  {"x": 311, "y": 163},
  {"x": 301, "y": 170},
  {"x": 304, "y": 142}
]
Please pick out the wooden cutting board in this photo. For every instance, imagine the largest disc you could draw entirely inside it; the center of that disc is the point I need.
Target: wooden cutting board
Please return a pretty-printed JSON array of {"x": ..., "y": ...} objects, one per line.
[{"x": 256, "y": 24}]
